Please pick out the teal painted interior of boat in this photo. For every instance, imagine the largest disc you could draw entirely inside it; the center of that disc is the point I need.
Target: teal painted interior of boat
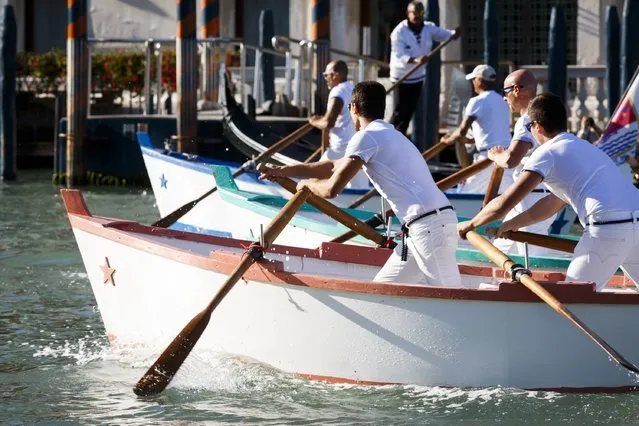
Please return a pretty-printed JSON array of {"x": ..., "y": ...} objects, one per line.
[{"x": 270, "y": 205}]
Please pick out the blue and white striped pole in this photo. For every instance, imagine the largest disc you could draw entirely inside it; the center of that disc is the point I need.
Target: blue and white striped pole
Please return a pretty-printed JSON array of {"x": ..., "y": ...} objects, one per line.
[
  {"x": 77, "y": 91},
  {"x": 210, "y": 28}
]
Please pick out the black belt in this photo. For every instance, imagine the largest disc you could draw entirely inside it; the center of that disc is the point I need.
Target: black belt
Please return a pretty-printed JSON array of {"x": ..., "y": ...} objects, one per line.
[
  {"x": 540, "y": 190},
  {"x": 410, "y": 222},
  {"x": 611, "y": 222}
]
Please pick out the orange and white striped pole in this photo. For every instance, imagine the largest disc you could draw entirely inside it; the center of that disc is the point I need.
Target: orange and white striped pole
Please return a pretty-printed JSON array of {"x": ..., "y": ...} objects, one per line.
[
  {"x": 187, "y": 64},
  {"x": 320, "y": 34},
  {"x": 77, "y": 92},
  {"x": 210, "y": 27}
]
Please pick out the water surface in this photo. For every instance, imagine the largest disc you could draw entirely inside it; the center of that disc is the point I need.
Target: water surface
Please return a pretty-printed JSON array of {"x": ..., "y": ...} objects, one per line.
[{"x": 56, "y": 366}]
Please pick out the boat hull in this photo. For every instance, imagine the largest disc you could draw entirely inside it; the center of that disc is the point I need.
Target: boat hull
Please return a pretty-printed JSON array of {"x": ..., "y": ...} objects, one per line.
[{"x": 316, "y": 314}]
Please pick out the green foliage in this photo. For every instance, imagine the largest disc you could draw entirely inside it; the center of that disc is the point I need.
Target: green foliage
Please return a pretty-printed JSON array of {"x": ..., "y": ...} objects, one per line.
[{"x": 114, "y": 70}]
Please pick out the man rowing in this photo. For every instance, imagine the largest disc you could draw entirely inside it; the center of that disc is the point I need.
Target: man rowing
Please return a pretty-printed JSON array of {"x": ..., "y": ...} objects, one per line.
[
  {"x": 400, "y": 174},
  {"x": 488, "y": 117},
  {"x": 583, "y": 176},
  {"x": 520, "y": 87},
  {"x": 337, "y": 119}
]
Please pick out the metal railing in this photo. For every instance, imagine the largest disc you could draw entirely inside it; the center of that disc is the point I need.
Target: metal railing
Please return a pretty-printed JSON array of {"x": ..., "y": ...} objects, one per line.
[{"x": 303, "y": 80}]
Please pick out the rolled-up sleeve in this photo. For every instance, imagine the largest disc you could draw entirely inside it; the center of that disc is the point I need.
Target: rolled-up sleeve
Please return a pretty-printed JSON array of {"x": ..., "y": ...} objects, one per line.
[
  {"x": 441, "y": 34},
  {"x": 398, "y": 47}
]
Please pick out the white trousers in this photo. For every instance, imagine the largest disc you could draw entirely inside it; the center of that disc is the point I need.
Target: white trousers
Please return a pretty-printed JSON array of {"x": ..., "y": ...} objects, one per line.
[
  {"x": 478, "y": 183},
  {"x": 431, "y": 260},
  {"x": 543, "y": 227},
  {"x": 604, "y": 248},
  {"x": 360, "y": 180}
]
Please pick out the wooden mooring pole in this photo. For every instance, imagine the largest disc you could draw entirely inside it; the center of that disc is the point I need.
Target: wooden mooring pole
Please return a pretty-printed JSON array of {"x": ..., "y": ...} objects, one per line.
[
  {"x": 187, "y": 64},
  {"x": 210, "y": 28},
  {"x": 77, "y": 92},
  {"x": 320, "y": 34},
  {"x": 8, "y": 51}
]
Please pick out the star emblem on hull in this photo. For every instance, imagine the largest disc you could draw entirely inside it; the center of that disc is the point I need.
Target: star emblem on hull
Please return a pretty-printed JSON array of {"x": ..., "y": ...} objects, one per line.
[
  {"x": 163, "y": 181},
  {"x": 107, "y": 272}
]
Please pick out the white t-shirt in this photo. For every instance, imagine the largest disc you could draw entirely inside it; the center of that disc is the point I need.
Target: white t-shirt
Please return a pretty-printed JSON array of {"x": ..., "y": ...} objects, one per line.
[
  {"x": 492, "y": 120},
  {"x": 406, "y": 44},
  {"x": 397, "y": 170},
  {"x": 344, "y": 128},
  {"x": 583, "y": 176},
  {"x": 520, "y": 133}
]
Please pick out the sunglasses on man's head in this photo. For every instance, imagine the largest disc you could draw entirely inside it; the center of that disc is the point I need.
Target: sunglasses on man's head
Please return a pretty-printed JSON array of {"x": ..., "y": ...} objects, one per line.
[
  {"x": 529, "y": 125},
  {"x": 416, "y": 12}
]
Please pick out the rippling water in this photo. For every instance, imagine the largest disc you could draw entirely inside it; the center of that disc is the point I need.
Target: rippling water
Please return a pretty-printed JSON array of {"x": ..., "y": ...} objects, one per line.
[{"x": 56, "y": 365}]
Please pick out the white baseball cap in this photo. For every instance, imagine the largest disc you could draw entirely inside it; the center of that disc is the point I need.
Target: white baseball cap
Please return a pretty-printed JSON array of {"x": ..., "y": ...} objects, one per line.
[{"x": 483, "y": 71}]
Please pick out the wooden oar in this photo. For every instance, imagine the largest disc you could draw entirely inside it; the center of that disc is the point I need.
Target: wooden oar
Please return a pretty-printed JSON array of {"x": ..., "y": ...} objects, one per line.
[
  {"x": 325, "y": 140},
  {"x": 523, "y": 277},
  {"x": 443, "y": 185},
  {"x": 173, "y": 217},
  {"x": 417, "y": 66},
  {"x": 493, "y": 185},
  {"x": 328, "y": 208},
  {"x": 540, "y": 240},
  {"x": 427, "y": 155},
  {"x": 162, "y": 371},
  {"x": 315, "y": 153}
]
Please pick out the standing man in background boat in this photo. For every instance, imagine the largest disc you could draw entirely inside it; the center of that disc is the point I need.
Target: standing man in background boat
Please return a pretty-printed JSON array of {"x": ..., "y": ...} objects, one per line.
[
  {"x": 400, "y": 174},
  {"x": 583, "y": 176},
  {"x": 337, "y": 119},
  {"x": 520, "y": 87},
  {"x": 411, "y": 42},
  {"x": 488, "y": 117}
]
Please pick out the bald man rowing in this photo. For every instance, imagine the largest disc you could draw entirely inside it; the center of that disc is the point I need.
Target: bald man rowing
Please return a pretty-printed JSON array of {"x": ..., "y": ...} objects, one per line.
[{"x": 520, "y": 87}]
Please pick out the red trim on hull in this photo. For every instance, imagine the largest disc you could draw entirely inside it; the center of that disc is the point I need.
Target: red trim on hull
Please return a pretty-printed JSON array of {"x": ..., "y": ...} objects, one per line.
[
  {"x": 341, "y": 380},
  {"x": 272, "y": 272}
]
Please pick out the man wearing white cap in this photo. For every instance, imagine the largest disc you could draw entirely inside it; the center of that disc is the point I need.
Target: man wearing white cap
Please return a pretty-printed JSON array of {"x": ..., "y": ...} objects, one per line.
[{"x": 488, "y": 117}]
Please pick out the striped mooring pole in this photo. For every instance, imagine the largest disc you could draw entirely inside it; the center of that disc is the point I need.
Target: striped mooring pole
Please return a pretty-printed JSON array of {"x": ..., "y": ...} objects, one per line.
[
  {"x": 320, "y": 34},
  {"x": 77, "y": 92},
  {"x": 186, "y": 59},
  {"x": 210, "y": 27}
]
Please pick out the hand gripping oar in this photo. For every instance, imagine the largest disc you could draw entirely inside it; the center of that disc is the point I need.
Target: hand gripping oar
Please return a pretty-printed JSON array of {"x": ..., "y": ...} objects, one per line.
[
  {"x": 156, "y": 379},
  {"x": 522, "y": 276},
  {"x": 493, "y": 185},
  {"x": 540, "y": 240},
  {"x": 427, "y": 155},
  {"x": 173, "y": 217},
  {"x": 326, "y": 207},
  {"x": 418, "y": 65},
  {"x": 443, "y": 185}
]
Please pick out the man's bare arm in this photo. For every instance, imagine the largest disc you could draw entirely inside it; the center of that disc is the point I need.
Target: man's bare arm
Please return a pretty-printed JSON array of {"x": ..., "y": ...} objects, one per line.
[
  {"x": 327, "y": 121},
  {"x": 541, "y": 210},
  {"x": 318, "y": 170},
  {"x": 511, "y": 157},
  {"x": 460, "y": 132},
  {"x": 345, "y": 170}
]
